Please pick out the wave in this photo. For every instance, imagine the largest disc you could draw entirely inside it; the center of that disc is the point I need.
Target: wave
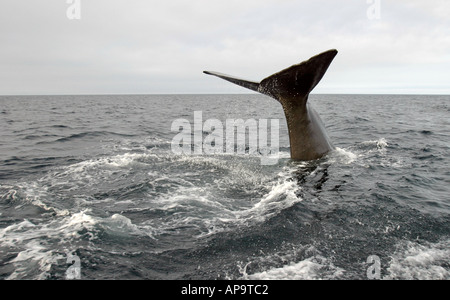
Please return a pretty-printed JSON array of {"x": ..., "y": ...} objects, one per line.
[
  {"x": 38, "y": 246},
  {"x": 420, "y": 261},
  {"x": 166, "y": 201},
  {"x": 312, "y": 268},
  {"x": 161, "y": 205},
  {"x": 209, "y": 194},
  {"x": 409, "y": 261},
  {"x": 296, "y": 263}
]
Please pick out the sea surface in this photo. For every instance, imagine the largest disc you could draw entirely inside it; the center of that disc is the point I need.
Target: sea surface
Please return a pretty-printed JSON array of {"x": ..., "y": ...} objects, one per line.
[{"x": 90, "y": 188}]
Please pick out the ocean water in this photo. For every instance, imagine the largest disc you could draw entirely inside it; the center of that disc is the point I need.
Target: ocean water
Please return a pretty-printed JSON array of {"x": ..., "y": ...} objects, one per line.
[{"x": 89, "y": 183}]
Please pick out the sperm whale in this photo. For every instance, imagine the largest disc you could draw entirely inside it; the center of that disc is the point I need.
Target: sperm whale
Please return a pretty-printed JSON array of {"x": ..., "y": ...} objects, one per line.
[{"x": 291, "y": 87}]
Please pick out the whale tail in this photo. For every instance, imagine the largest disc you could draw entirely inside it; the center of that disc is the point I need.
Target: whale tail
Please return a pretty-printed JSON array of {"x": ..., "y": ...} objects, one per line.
[
  {"x": 295, "y": 82},
  {"x": 291, "y": 87}
]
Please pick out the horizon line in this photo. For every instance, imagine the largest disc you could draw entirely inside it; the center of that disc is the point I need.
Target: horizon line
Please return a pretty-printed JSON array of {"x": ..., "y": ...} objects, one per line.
[{"x": 189, "y": 93}]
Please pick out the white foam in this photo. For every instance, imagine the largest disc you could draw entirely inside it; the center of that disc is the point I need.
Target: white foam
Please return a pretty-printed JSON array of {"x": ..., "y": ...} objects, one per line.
[
  {"x": 36, "y": 242},
  {"x": 347, "y": 156},
  {"x": 313, "y": 267},
  {"x": 117, "y": 161},
  {"x": 196, "y": 205},
  {"x": 219, "y": 213},
  {"x": 367, "y": 154},
  {"x": 33, "y": 193},
  {"x": 304, "y": 270},
  {"x": 342, "y": 156},
  {"x": 427, "y": 261},
  {"x": 91, "y": 172},
  {"x": 39, "y": 245},
  {"x": 35, "y": 257},
  {"x": 122, "y": 226},
  {"x": 281, "y": 196},
  {"x": 381, "y": 144}
]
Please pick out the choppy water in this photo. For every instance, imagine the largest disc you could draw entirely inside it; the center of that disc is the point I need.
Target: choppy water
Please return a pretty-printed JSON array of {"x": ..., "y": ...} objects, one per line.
[{"x": 95, "y": 177}]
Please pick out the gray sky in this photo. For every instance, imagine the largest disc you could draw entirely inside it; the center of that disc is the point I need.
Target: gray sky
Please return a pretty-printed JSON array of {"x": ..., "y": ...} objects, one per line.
[{"x": 146, "y": 46}]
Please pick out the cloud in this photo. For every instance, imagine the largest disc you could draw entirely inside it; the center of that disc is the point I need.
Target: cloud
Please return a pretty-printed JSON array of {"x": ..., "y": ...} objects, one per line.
[{"x": 163, "y": 46}]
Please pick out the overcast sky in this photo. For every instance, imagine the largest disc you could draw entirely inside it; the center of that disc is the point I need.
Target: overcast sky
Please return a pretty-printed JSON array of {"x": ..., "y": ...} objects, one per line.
[{"x": 146, "y": 46}]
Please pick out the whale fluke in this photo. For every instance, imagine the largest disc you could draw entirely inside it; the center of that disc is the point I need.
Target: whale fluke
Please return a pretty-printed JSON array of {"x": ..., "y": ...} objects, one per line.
[
  {"x": 298, "y": 80},
  {"x": 242, "y": 82},
  {"x": 291, "y": 87}
]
